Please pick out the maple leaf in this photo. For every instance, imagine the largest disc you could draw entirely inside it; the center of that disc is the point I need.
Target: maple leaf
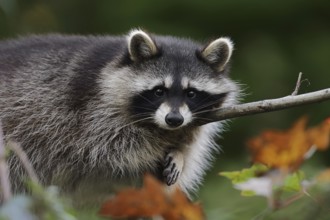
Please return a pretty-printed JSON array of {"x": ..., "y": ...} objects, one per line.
[
  {"x": 146, "y": 202},
  {"x": 288, "y": 149},
  {"x": 180, "y": 208},
  {"x": 151, "y": 200}
]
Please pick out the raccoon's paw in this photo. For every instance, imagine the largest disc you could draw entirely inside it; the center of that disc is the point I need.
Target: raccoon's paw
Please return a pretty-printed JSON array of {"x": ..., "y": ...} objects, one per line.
[{"x": 172, "y": 167}]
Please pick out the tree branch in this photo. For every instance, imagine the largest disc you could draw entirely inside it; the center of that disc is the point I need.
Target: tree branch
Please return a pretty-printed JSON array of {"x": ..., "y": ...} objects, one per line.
[{"x": 268, "y": 105}]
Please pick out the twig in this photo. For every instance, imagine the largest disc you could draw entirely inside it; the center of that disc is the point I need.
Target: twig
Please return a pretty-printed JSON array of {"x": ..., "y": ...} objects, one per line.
[
  {"x": 298, "y": 84},
  {"x": 268, "y": 105},
  {"x": 4, "y": 173},
  {"x": 16, "y": 148},
  {"x": 289, "y": 201}
]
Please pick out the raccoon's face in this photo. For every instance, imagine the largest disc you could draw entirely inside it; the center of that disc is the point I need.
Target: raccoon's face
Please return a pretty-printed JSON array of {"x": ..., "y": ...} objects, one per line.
[
  {"x": 179, "y": 81},
  {"x": 176, "y": 105}
]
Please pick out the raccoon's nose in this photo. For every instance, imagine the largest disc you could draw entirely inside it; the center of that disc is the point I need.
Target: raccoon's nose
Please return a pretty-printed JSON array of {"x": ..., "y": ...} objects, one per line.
[{"x": 174, "y": 119}]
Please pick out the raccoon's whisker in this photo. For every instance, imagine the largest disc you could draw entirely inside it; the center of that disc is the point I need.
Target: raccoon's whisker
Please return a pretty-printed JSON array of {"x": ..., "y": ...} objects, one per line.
[
  {"x": 148, "y": 100},
  {"x": 202, "y": 118},
  {"x": 150, "y": 109},
  {"x": 133, "y": 122},
  {"x": 212, "y": 102},
  {"x": 203, "y": 100},
  {"x": 139, "y": 115},
  {"x": 205, "y": 111},
  {"x": 139, "y": 107},
  {"x": 207, "y": 105}
]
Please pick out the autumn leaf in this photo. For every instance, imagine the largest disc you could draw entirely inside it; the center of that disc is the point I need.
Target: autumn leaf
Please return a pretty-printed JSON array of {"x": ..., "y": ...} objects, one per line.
[
  {"x": 320, "y": 135},
  {"x": 151, "y": 200},
  {"x": 180, "y": 208},
  {"x": 288, "y": 149},
  {"x": 324, "y": 176},
  {"x": 146, "y": 202}
]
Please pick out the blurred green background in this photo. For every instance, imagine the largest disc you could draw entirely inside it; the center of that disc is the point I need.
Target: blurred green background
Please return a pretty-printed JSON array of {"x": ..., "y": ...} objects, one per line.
[{"x": 274, "y": 41}]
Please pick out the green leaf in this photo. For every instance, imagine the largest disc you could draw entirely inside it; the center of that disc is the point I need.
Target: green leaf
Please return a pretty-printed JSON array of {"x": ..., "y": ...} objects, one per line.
[
  {"x": 245, "y": 174},
  {"x": 292, "y": 183},
  {"x": 248, "y": 193}
]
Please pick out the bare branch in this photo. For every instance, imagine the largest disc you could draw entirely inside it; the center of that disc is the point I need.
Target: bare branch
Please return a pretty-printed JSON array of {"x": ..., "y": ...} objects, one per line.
[
  {"x": 296, "y": 90},
  {"x": 4, "y": 173},
  {"x": 268, "y": 105}
]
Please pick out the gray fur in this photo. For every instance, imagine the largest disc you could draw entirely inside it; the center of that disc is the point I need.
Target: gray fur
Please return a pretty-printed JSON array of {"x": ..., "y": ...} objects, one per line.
[{"x": 66, "y": 100}]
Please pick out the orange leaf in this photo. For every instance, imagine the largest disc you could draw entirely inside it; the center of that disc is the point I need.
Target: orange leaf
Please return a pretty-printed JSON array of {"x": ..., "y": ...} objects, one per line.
[
  {"x": 324, "y": 176},
  {"x": 287, "y": 149},
  {"x": 179, "y": 207},
  {"x": 320, "y": 135},
  {"x": 151, "y": 200}
]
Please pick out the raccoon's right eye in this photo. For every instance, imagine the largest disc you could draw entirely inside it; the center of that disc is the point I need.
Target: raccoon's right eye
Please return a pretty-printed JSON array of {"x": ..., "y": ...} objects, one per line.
[{"x": 159, "y": 92}]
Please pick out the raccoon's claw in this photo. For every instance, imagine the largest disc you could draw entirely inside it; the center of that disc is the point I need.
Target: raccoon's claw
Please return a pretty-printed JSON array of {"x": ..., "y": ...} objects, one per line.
[{"x": 172, "y": 167}]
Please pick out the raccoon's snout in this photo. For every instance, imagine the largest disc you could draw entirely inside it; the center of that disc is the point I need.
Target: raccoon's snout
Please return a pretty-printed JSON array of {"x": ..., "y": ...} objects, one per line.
[{"x": 174, "y": 119}]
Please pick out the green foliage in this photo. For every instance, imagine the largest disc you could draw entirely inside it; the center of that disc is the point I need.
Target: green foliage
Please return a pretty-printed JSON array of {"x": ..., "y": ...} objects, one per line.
[
  {"x": 252, "y": 183},
  {"x": 293, "y": 182},
  {"x": 245, "y": 174}
]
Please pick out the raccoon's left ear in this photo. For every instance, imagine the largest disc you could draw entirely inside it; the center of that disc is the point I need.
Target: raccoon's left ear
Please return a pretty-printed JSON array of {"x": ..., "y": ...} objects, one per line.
[
  {"x": 218, "y": 53},
  {"x": 140, "y": 45}
]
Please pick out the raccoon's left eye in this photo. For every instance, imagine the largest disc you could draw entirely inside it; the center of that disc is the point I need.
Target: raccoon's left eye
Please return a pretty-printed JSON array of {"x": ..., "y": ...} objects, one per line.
[{"x": 191, "y": 94}]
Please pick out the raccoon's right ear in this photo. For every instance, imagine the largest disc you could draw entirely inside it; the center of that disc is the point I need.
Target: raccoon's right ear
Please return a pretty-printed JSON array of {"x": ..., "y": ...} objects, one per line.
[
  {"x": 217, "y": 53},
  {"x": 141, "y": 46}
]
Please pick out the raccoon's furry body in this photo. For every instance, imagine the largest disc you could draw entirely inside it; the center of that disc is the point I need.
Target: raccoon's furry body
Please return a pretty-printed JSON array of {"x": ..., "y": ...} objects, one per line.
[{"x": 71, "y": 103}]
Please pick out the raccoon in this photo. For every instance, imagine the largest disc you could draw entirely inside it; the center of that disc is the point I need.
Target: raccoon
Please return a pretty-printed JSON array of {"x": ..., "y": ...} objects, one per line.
[{"x": 94, "y": 111}]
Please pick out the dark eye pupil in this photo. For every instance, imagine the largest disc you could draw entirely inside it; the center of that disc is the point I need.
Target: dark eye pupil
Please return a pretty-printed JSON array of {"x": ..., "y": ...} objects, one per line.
[
  {"x": 191, "y": 94},
  {"x": 159, "y": 92}
]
